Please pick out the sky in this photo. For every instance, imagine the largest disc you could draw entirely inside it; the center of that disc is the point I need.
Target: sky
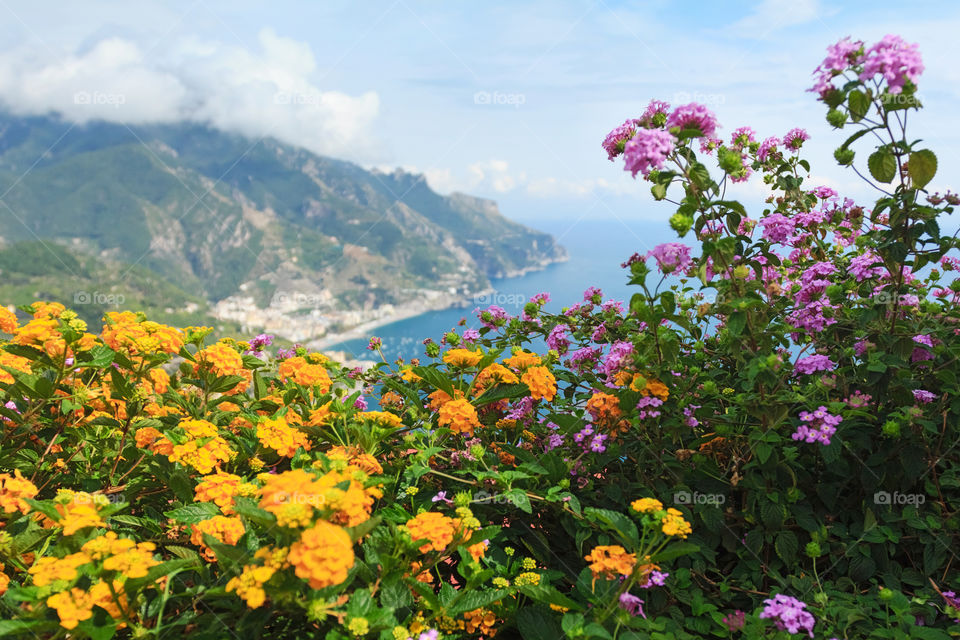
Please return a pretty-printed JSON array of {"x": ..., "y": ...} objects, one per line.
[{"x": 506, "y": 100}]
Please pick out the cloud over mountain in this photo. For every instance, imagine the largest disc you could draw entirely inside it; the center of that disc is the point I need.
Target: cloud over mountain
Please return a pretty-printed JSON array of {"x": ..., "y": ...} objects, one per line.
[{"x": 270, "y": 91}]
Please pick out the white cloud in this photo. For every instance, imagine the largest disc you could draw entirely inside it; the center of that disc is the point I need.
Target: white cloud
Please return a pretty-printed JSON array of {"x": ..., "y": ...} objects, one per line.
[{"x": 269, "y": 91}]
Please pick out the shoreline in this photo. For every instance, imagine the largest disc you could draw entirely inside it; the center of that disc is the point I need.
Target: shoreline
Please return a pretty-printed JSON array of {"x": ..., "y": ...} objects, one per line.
[{"x": 415, "y": 309}]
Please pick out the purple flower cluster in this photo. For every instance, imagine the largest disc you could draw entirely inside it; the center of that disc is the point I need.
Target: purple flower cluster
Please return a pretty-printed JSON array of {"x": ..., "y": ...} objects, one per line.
[
  {"x": 896, "y": 60},
  {"x": 656, "y": 110},
  {"x": 789, "y": 614},
  {"x": 893, "y": 58},
  {"x": 616, "y": 358},
  {"x": 671, "y": 256},
  {"x": 767, "y": 147},
  {"x": 817, "y": 426},
  {"x": 694, "y": 116},
  {"x": 492, "y": 317},
  {"x": 521, "y": 409},
  {"x": 867, "y": 265},
  {"x": 777, "y": 228},
  {"x": 258, "y": 344},
  {"x": 614, "y": 143},
  {"x": 812, "y": 364},
  {"x": 795, "y": 138},
  {"x": 735, "y": 621},
  {"x": 647, "y": 150},
  {"x": 632, "y": 604},
  {"x": 840, "y": 56},
  {"x": 584, "y": 358},
  {"x": 742, "y": 137},
  {"x": 558, "y": 339},
  {"x": 923, "y": 396},
  {"x": 649, "y": 401},
  {"x": 590, "y": 440}
]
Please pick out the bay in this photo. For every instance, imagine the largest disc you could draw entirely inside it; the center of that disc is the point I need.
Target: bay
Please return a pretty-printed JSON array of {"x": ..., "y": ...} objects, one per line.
[{"x": 596, "y": 250}]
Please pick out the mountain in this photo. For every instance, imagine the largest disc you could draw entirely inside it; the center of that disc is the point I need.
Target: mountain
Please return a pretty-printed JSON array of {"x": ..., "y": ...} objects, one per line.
[{"x": 186, "y": 217}]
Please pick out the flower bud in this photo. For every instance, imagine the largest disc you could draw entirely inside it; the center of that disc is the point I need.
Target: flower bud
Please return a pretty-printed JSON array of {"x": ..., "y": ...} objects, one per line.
[
  {"x": 891, "y": 428},
  {"x": 813, "y": 550},
  {"x": 836, "y": 118},
  {"x": 844, "y": 157},
  {"x": 681, "y": 223}
]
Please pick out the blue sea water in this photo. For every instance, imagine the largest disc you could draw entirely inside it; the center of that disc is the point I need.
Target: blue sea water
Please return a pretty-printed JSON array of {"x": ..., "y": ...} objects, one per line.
[{"x": 596, "y": 249}]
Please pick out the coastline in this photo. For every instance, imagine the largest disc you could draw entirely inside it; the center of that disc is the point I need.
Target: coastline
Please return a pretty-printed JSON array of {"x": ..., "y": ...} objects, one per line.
[{"x": 417, "y": 308}]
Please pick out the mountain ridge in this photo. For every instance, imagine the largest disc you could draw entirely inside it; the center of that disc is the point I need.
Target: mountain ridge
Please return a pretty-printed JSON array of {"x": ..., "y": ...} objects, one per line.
[{"x": 222, "y": 216}]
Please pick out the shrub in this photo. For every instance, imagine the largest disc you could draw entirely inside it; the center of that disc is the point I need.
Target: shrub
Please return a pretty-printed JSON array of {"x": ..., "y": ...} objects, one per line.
[{"x": 763, "y": 444}]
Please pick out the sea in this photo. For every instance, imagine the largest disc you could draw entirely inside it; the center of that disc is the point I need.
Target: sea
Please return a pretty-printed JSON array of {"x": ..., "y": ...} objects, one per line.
[{"x": 596, "y": 249}]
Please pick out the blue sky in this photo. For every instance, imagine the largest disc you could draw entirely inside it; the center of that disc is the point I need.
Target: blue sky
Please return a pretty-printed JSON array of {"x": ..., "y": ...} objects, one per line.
[{"x": 508, "y": 100}]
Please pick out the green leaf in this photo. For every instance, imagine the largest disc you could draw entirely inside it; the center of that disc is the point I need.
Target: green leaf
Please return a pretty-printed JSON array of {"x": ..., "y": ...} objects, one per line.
[
  {"x": 470, "y": 600},
  {"x": 25, "y": 628},
  {"x": 538, "y": 623},
  {"x": 395, "y": 594},
  {"x": 501, "y": 392},
  {"x": 548, "y": 594},
  {"x": 435, "y": 378},
  {"x": 882, "y": 165},
  {"x": 659, "y": 191},
  {"x": 615, "y": 521},
  {"x": 922, "y": 166},
  {"x": 737, "y": 322},
  {"x": 193, "y": 513},
  {"x": 675, "y": 550},
  {"x": 787, "y": 546},
  {"x": 859, "y": 105}
]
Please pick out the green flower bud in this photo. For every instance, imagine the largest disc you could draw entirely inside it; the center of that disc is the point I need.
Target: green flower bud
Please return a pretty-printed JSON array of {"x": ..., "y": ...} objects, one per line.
[
  {"x": 891, "y": 428},
  {"x": 886, "y": 594},
  {"x": 433, "y": 350},
  {"x": 681, "y": 223},
  {"x": 844, "y": 157},
  {"x": 452, "y": 339},
  {"x": 813, "y": 550},
  {"x": 836, "y": 118}
]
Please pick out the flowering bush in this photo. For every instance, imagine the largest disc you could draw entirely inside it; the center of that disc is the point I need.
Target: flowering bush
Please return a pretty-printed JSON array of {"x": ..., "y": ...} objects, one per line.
[{"x": 762, "y": 444}]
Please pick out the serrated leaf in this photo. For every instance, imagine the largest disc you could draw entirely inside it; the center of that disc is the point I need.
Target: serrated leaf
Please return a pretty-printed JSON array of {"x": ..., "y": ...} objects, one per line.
[
  {"x": 859, "y": 105},
  {"x": 922, "y": 167},
  {"x": 193, "y": 513},
  {"x": 435, "y": 378},
  {"x": 882, "y": 165},
  {"x": 787, "y": 546}
]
